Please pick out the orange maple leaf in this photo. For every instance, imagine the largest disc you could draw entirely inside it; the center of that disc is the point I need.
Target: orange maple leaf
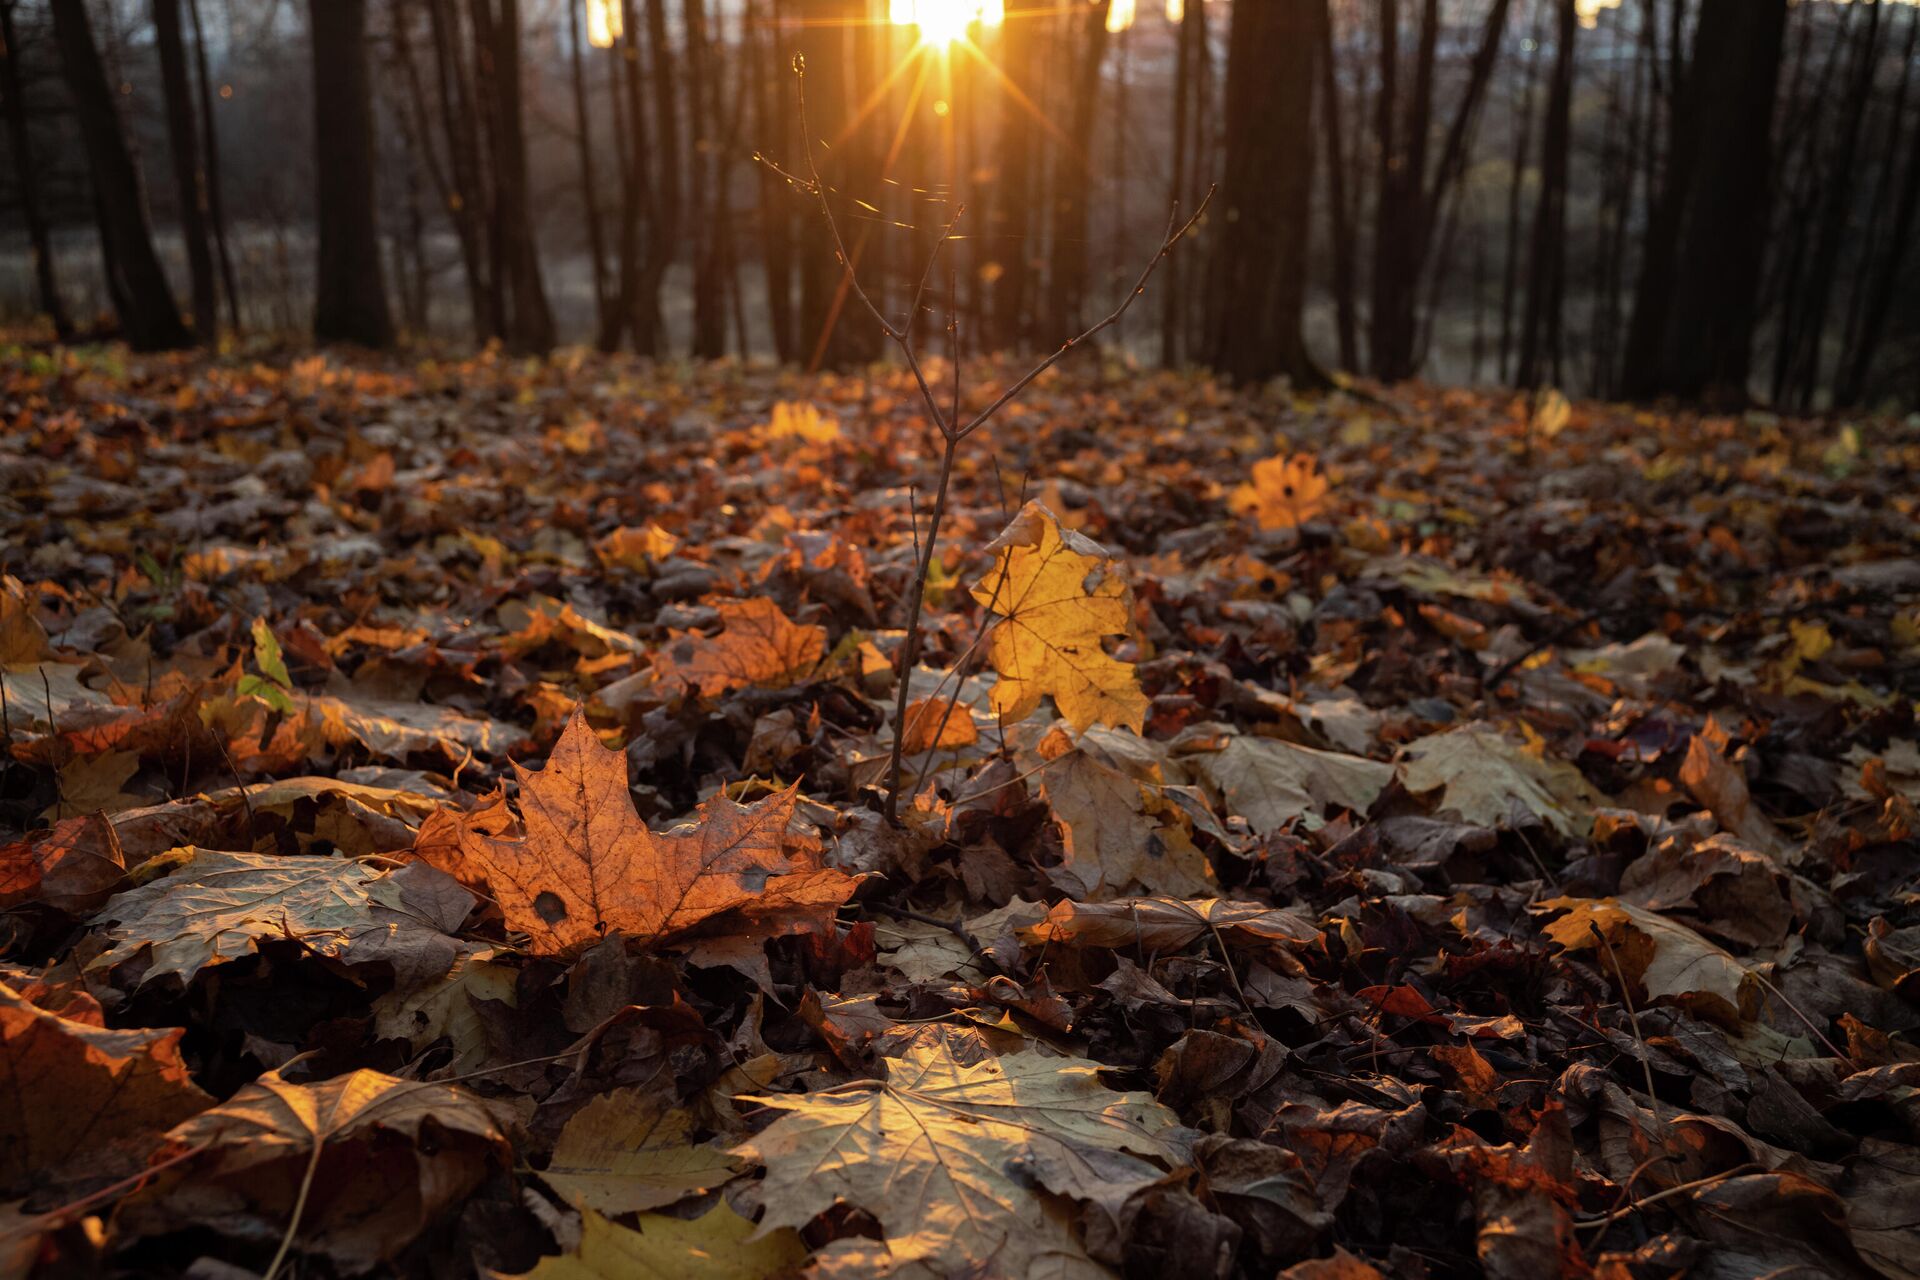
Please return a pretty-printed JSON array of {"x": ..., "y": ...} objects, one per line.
[
  {"x": 1284, "y": 493},
  {"x": 757, "y": 645},
  {"x": 584, "y": 865}
]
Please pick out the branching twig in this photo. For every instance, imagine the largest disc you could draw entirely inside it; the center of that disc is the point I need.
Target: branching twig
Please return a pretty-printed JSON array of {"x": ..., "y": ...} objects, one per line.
[{"x": 947, "y": 423}]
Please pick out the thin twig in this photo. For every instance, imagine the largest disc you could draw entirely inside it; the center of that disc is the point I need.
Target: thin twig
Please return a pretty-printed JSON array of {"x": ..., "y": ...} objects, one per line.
[
  {"x": 947, "y": 422},
  {"x": 1633, "y": 1019}
]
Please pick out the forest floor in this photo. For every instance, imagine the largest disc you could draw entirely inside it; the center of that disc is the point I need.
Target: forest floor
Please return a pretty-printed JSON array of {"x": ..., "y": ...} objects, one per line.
[{"x": 1373, "y": 834}]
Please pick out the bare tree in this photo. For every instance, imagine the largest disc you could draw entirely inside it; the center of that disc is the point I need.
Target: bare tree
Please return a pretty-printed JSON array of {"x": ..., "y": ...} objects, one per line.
[
  {"x": 135, "y": 281},
  {"x": 350, "y": 296},
  {"x": 1541, "y": 328},
  {"x": 189, "y": 177},
  {"x": 1261, "y": 239},
  {"x": 20, "y": 142}
]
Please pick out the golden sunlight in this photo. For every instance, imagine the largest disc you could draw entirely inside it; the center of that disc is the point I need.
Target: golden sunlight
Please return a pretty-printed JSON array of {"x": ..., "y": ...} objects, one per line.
[
  {"x": 604, "y": 25},
  {"x": 943, "y": 22}
]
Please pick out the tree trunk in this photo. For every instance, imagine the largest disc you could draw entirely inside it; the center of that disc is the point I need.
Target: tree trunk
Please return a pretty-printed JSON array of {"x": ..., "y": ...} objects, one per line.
[
  {"x": 20, "y": 143},
  {"x": 1540, "y": 330},
  {"x": 1516, "y": 175},
  {"x": 530, "y": 322},
  {"x": 467, "y": 205},
  {"x": 189, "y": 178},
  {"x": 1835, "y": 221},
  {"x": 830, "y": 333},
  {"x": 1701, "y": 317},
  {"x": 1262, "y": 221},
  {"x": 1011, "y": 223},
  {"x": 706, "y": 194},
  {"x": 1340, "y": 212},
  {"x": 773, "y": 127},
  {"x": 135, "y": 280},
  {"x": 350, "y": 297},
  {"x": 589, "y": 189},
  {"x": 210, "y": 161},
  {"x": 1067, "y": 290}
]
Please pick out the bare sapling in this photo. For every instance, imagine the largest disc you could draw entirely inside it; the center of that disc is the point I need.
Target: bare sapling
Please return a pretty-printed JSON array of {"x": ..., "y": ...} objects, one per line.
[{"x": 948, "y": 422}]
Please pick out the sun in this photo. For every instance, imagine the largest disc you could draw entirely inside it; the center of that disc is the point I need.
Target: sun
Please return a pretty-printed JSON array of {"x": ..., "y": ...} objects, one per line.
[{"x": 946, "y": 22}]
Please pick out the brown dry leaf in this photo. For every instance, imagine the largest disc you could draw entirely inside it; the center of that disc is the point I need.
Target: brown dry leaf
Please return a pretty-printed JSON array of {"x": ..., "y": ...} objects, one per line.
[
  {"x": 213, "y": 907},
  {"x": 636, "y": 549},
  {"x": 1271, "y": 783},
  {"x": 72, "y": 1090},
  {"x": 22, "y": 639},
  {"x": 632, "y": 1149},
  {"x": 1284, "y": 492},
  {"x": 381, "y": 1157},
  {"x": 1058, "y": 599},
  {"x": 586, "y": 865},
  {"x": 1166, "y": 924},
  {"x": 757, "y": 645},
  {"x": 1119, "y": 832},
  {"x": 718, "y": 1245},
  {"x": 1734, "y": 892},
  {"x": 1669, "y": 962},
  {"x": 945, "y": 1154},
  {"x": 1483, "y": 777},
  {"x": 73, "y": 867},
  {"x": 937, "y": 722},
  {"x": 1719, "y": 784}
]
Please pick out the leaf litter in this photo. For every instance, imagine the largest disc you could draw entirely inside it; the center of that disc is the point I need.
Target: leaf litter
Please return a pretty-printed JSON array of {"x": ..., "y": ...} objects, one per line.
[{"x": 441, "y": 830}]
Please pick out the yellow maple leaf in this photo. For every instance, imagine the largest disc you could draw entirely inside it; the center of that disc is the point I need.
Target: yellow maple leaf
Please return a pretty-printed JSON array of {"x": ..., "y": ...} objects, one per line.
[
  {"x": 757, "y": 645},
  {"x": 1058, "y": 599},
  {"x": 1284, "y": 492},
  {"x": 798, "y": 420}
]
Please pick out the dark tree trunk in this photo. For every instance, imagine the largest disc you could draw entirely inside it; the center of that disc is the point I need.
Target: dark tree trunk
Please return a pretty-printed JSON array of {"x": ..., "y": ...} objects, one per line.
[
  {"x": 772, "y": 127},
  {"x": 135, "y": 280},
  {"x": 706, "y": 193},
  {"x": 210, "y": 161},
  {"x": 467, "y": 205},
  {"x": 1540, "y": 330},
  {"x": 189, "y": 178},
  {"x": 1011, "y": 223},
  {"x": 1516, "y": 175},
  {"x": 1067, "y": 289},
  {"x": 1835, "y": 221},
  {"x": 1172, "y": 333},
  {"x": 1340, "y": 213},
  {"x": 589, "y": 189},
  {"x": 530, "y": 322},
  {"x": 1877, "y": 306},
  {"x": 20, "y": 143},
  {"x": 1262, "y": 221},
  {"x": 1406, "y": 218},
  {"x": 664, "y": 220},
  {"x": 350, "y": 297},
  {"x": 830, "y": 334},
  {"x": 1695, "y": 322},
  {"x": 1871, "y": 261}
]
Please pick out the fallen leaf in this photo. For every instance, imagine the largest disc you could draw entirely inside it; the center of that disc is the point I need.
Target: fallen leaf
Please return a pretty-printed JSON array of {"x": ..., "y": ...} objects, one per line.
[
  {"x": 1272, "y": 783},
  {"x": 1284, "y": 492},
  {"x": 76, "y": 1092},
  {"x": 370, "y": 1159},
  {"x": 1119, "y": 832},
  {"x": 632, "y": 1149},
  {"x": 1165, "y": 924},
  {"x": 1058, "y": 599},
  {"x": 1669, "y": 962},
  {"x": 586, "y": 866},
  {"x": 214, "y": 907},
  {"x": 718, "y": 1245},
  {"x": 1484, "y": 777},
  {"x": 757, "y": 645},
  {"x": 935, "y": 1151}
]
